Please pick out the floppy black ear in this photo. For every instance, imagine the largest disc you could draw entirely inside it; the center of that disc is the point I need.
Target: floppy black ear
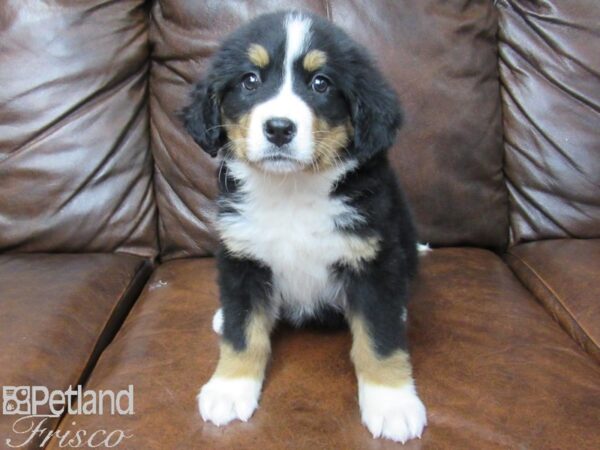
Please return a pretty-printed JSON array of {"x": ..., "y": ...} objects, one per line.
[
  {"x": 202, "y": 119},
  {"x": 376, "y": 114}
]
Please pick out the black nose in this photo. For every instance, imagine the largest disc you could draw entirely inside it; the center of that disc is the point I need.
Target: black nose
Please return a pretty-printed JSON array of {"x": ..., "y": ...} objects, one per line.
[{"x": 280, "y": 131}]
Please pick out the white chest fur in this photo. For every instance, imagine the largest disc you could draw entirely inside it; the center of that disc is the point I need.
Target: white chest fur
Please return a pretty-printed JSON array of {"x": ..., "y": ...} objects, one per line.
[{"x": 288, "y": 222}]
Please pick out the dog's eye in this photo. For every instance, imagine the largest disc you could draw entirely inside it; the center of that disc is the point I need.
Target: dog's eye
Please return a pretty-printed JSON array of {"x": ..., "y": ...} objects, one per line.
[
  {"x": 250, "y": 81},
  {"x": 319, "y": 84}
]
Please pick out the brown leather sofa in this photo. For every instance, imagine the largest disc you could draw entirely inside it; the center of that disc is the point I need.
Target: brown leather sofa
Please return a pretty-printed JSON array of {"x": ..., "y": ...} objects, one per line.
[{"x": 106, "y": 204}]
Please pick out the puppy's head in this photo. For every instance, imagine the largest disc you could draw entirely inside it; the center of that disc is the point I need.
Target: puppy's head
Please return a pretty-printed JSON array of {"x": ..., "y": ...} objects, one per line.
[{"x": 289, "y": 92}]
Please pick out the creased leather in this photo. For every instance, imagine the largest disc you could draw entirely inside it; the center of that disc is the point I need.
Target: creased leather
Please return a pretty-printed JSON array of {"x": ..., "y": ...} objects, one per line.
[
  {"x": 75, "y": 166},
  {"x": 550, "y": 73}
]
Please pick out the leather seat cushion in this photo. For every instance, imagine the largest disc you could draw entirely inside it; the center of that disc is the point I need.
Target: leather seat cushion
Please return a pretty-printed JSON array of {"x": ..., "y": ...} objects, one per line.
[
  {"x": 57, "y": 312},
  {"x": 564, "y": 275},
  {"x": 493, "y": 368}
]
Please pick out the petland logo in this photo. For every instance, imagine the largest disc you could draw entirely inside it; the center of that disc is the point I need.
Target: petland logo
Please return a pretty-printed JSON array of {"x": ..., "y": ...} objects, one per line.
[{"x": 37, "y": 405}]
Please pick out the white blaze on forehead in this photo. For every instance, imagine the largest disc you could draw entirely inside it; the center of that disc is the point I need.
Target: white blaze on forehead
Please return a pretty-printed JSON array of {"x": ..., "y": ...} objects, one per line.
[
  {"x": 286, "y": 103},
  {"x": 297, "y": 29}
]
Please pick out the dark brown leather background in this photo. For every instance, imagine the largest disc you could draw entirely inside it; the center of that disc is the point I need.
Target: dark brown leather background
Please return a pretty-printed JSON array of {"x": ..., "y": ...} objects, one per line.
[
  {"x": 75, "y": 171},
  {"x": 550, "y": 70},
  {"x": 439, "y": 55}
]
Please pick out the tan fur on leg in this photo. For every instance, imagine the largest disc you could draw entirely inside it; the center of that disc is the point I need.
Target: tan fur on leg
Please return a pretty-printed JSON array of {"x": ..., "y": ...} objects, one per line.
[
  {"x": 393, "y": 370},
  {"x": 251, "y": 362}
]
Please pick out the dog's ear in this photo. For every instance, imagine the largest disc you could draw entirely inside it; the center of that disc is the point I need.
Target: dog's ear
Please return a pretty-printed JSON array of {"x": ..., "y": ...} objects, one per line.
[
  {"x": 202, "y": 118},
  {"x": 375, "y": 111}
]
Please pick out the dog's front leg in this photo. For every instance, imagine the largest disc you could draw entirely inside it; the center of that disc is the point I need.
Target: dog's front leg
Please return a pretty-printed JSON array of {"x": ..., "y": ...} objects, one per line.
[
  {"x": 389, "y": 404},
  {"x": 234, "y": 389}
]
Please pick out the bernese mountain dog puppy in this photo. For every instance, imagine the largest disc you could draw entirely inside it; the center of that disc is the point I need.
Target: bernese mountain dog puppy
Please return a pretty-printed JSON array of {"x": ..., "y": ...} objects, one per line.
[{"x": 312, "y": 223}]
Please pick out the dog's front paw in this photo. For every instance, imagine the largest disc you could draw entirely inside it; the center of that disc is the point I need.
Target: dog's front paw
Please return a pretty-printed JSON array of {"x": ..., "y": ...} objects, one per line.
[
  {"x": 392, "y": 413},
  {"x": 222, "y": 400}
]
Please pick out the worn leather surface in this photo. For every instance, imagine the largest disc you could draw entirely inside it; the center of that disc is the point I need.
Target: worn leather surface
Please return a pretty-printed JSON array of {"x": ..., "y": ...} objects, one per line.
[
  {"x": 57, "y": 313},
  {"x": 494, "y": 369},
  {"x": 564, "y": 275},
  {"x": 550, "y": 72},
  {"x": 439, "y": 55},
  {"x": 75, "y": 169}
]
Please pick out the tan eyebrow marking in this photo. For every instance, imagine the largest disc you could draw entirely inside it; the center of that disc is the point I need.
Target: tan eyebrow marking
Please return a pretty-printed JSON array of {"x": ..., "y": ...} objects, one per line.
[
  {"x": 315, "y": 59},
  {"x": 258, "y": 55}
]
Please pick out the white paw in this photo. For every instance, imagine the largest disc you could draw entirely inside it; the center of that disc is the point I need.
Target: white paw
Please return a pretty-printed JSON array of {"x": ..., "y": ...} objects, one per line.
[
  {"x": 424, "y": 248},
  {"x": 217, "y": 322},
  {"x": 222, "y": 400},
  {"x": 393, "y": 413}
]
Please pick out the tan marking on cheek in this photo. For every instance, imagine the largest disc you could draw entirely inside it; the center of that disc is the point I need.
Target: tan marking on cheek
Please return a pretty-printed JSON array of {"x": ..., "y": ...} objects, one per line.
[
  {"x": 258, "y": 55},
  {"x": 394, "y": 370},
  {"x": 314, "y": 60},
  {"x": 330, "y": 142},
  {"x": 251, "y": 362},
  {"x": 237, "y": 132}
]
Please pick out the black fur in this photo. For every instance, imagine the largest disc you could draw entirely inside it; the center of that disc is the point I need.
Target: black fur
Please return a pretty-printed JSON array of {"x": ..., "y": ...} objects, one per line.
[
  {"x": 378, "y": 291},
  {"x": 244, "y": 286},
  {"x": 203, "y": 119}
]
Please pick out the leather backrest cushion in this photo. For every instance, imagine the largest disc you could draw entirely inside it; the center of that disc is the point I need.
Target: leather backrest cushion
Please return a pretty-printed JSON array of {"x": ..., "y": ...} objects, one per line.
[
  {"x": 75, "y": 166},
  {"x": 440, "y": 56},
  {"x": 550, "y": 74}
]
